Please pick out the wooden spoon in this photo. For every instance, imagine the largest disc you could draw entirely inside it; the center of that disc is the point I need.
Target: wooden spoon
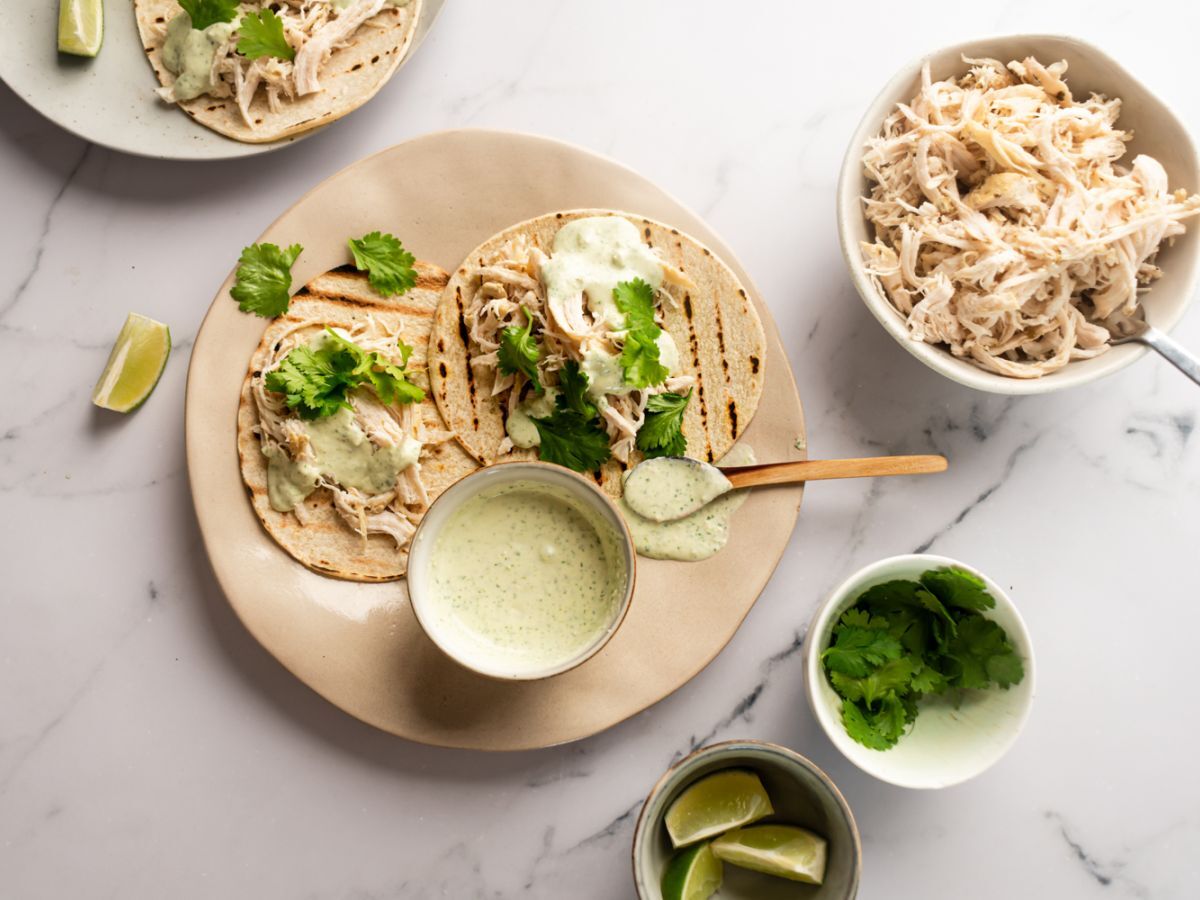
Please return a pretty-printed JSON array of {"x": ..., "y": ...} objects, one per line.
[{"x": 671, "y": 487}]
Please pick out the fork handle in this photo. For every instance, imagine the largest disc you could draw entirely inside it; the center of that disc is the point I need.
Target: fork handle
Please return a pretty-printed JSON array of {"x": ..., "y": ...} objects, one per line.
[{"x": 1172, "y": 351}]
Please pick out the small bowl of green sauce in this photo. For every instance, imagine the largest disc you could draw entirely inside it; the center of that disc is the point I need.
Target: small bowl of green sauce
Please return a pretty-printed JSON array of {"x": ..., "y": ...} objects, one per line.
[
  {"x": 521, "y": 571},
  {"x": 920, "y": 670}
]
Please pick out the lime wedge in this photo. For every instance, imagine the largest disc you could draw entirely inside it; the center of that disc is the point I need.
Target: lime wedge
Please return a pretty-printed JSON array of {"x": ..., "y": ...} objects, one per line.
[
  {"x": 782, "y": 850},
  {"x": 134, "y": 365},
  {"x": 80, "y": 26},
  {"x": 694, "y": 874},
  {"x": 715, "y": 804}
]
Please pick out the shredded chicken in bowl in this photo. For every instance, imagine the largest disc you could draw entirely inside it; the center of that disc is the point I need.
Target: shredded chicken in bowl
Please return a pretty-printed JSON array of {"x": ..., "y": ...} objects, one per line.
[{"x": 1005, "y": 227}]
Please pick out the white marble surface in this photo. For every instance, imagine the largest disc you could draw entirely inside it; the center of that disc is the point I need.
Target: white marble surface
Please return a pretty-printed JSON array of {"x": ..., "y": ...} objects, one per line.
[{"x": 149, "y": 748}]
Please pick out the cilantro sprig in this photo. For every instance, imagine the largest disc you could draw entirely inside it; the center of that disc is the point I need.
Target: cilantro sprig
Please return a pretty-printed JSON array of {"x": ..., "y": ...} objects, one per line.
[
  {"x": 388, "y": 265},
  {"x": 639, "y": 352},
  {"x": 264, "y": 279},
  {"x": 204, "y": 13},
  {"x": 661, "y": 433},
  {"x": 572, "y": 435},
  {"x": 261, "y": 34},
  {"x": 316, "y": 379},
  {"x": 906, "y": 639},
  {"x": 519, "y": 352}
]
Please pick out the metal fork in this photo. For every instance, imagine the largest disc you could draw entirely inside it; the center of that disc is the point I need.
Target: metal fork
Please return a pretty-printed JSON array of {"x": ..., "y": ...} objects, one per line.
[{"x": 1169, "y": 349}]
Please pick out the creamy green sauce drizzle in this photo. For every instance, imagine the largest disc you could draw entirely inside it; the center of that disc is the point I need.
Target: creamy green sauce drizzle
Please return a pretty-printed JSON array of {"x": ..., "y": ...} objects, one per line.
[
  {"x": 669, "y": 487},
  {"x": 594, "y": 255},
  {"x": 188, "y": 53},
  {"x": 525, "y": 577},
  {"x": 520, "y": 425},
  {"x": 342, "y": 452},
  {"x": 693, "y": 537}
]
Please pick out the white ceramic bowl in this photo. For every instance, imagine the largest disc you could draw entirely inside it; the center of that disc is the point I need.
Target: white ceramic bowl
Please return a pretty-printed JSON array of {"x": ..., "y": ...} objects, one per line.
[
  {"x": 1157, "y": 132},
  {"x": 947, "y": 744},
  {"x": 580, "y": 490},
  {"x": 801, "y": 794}
]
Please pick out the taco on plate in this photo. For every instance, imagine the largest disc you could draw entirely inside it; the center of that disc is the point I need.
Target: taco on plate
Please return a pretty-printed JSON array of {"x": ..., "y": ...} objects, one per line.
[
  {"x": 263, "y": 70},
  {"x": 594, "y": 338},
  {"x": 340, "y": 481}
]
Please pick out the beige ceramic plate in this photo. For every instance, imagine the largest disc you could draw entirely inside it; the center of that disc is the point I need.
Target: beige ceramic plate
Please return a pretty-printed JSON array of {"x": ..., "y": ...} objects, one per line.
[
  {"x": 359, "y": 645},
  {"x": 110, "y": 100}
]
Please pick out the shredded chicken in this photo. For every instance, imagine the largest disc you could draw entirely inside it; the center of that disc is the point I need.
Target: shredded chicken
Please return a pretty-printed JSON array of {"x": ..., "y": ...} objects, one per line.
[
  {"x": 394, "y": 512},
  {"x": 1005, "y": 228},
  {"x": 314, "y": 29},
  {"x": 506, "y": 290}
]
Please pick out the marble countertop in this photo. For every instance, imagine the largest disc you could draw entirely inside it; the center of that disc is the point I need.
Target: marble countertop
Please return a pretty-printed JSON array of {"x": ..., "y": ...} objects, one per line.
[{"x": 150, "y": 748}]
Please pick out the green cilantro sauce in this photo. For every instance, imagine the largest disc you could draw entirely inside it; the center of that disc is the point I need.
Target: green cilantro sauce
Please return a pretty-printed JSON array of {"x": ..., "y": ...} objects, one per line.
[
  {"x": 520, "y": 425},
  {"x": 693, "y": 537},
  {"x": 594, "y": 255},
  {"x": 669, "y": 488},
  {"x": 525, "y": 577},
  {"x": 342, "y": 452},
  {"x": 188, "y": 53}
]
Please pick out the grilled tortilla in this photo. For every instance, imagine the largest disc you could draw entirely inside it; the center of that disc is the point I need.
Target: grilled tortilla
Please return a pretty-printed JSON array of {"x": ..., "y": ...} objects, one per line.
[
  {"x": 326, "y": 543},
  {"x": 714, "y": 325},
  {"x": 351, "y": 76}
]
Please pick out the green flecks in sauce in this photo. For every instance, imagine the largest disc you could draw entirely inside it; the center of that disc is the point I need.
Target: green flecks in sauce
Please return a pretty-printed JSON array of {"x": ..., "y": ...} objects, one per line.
[
  {"x": 343, "y": 453},
  {"x": 188, "y": 53},
  {"x": 669, "y": 488},
  {"x": 520, "y": 426},
  {"x": 594, "y": 255},
  {"x": 693, "y": 537},
  {"x": 525, "y": 577}
]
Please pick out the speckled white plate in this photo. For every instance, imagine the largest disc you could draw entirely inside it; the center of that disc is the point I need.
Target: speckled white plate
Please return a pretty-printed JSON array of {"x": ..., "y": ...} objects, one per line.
[
  {"x": 359, "y": 645},
  {"x": 110, "y": 100}
]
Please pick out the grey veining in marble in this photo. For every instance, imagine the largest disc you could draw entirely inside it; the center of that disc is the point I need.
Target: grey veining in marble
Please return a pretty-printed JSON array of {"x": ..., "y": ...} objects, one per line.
[{"x": 149, "y": 747}]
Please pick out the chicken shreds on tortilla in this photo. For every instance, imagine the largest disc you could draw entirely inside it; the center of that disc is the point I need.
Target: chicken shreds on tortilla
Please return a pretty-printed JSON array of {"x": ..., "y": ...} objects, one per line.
[
  {"x": 336, "y": 529},
  {"x": 710, "y": 339},
  {"x": 344, "y": 53}
]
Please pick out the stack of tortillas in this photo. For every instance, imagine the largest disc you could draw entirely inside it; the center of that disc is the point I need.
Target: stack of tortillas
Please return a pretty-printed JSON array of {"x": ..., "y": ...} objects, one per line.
[
  {"x": 351, "y": 76},
  {"x": 715, "y": 326},
  {"x": 338, "y": 299}
]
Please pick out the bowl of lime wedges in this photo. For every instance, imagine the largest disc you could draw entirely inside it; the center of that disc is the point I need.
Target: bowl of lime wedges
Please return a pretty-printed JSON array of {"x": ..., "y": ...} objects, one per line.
[{"x": 742, "y": 820}]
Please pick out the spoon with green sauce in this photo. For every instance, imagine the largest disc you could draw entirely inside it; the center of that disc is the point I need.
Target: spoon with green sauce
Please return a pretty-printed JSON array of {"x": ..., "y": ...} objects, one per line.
[{"x": 670, "y": 487}]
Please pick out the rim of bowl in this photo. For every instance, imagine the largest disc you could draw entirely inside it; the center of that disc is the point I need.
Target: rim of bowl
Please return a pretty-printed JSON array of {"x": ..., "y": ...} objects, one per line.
[
  {"x": 849, "y": 206},
  {"x": 543, "y": 473},
  {"x": 680, "y": 769},
  {"x": 841, "y": 597}
]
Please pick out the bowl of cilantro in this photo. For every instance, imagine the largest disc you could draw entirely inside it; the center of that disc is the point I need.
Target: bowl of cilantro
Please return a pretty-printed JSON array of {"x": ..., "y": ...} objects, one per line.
[{"x": 920, "y": 670}]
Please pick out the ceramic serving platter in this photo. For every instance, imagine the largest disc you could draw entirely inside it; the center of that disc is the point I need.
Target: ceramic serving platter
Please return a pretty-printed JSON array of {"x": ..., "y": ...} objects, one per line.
[
  {"x": 110, "y": 100},
  {"x": 359, "y": 645}
]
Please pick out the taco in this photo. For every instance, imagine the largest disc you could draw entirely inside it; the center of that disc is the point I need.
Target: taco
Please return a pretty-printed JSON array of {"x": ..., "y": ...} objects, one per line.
[
  {"x": 342, "y": 490},
  {"x": 594, "y": 338},
  {"x": 263, "y": 70}
]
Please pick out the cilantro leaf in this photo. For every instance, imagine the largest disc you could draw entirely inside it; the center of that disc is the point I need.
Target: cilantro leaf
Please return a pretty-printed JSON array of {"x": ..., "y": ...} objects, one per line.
[
  {"x": 878, "y": 731},
  {"x": 261, "y": 34},
  {"x": 639, "y": 352},
  {"x": 388, "y": 265},
  {"x": 893, "y": 677},
  {"x": 572, "y": 440},
  {"x": 958, "y": 588},
  {"x": 519, "y": 352},
  {"x": 858, "y": 644},
  {"x": 980, "y": 649},
  {"x": 310, "y": 382},
  {"x": 209, "y": 12},
  {"x": 317, "y": 379},
  {"x": 661, "y": 433},
  {"x": 574, "y": 385},
  {"x": 264, "y": 279}
]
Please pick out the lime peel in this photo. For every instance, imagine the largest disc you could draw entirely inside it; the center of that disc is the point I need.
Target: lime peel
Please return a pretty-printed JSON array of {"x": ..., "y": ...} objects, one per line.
[{"x": 694, "y": 874}]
